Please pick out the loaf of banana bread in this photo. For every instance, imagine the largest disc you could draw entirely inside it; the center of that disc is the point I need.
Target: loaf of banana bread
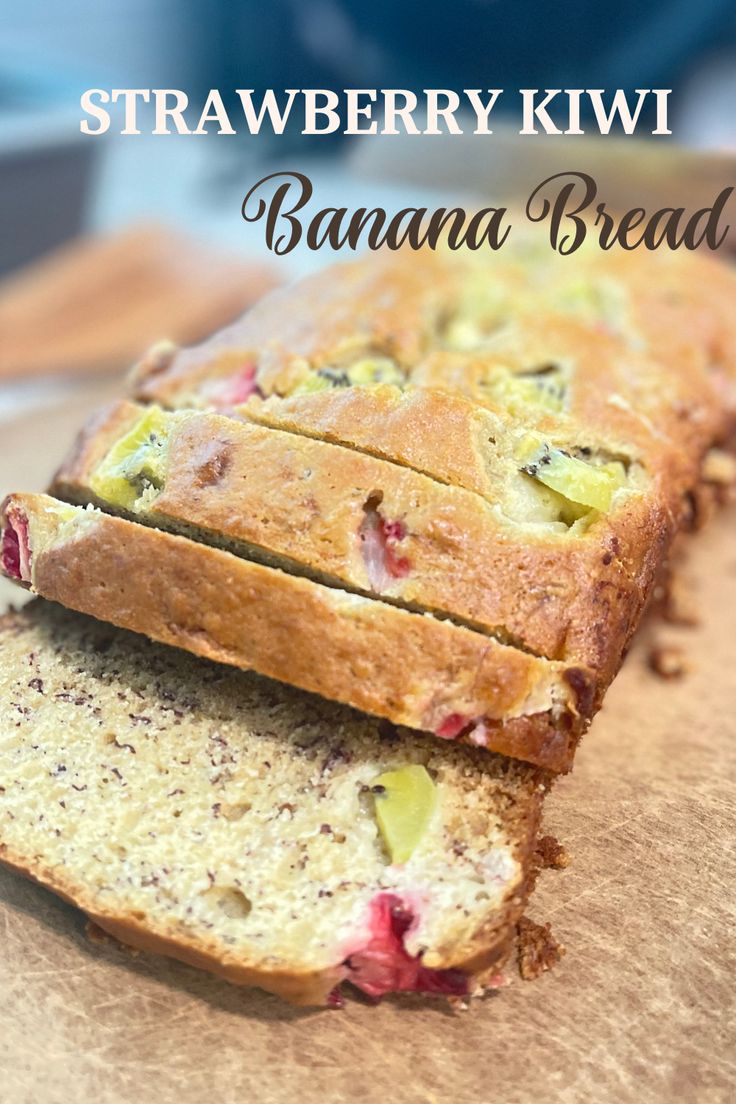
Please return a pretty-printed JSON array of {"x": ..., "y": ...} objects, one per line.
[{"x": 484, "y": 461}]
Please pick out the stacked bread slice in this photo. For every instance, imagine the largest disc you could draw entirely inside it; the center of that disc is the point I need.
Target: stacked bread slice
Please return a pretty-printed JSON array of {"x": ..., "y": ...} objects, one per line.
[{"x": 437, "y": 488}]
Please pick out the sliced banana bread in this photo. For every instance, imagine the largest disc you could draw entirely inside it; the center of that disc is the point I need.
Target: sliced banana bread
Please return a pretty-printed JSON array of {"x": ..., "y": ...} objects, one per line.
[
  {"x": 507, "y": 564},
  {"x": 471, "y": 565},
  {"x": 246, "y": 827},
  {"x": 411, "y": 668},
  {"x": 533, "y": 384}
]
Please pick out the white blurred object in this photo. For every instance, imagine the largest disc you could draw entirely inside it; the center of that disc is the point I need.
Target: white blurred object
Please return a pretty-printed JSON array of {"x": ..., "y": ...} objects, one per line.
[
  {"x": 32, "y": 395},
  {"x": 707, "y": 119},
  {"x": 506, "y": 166}
]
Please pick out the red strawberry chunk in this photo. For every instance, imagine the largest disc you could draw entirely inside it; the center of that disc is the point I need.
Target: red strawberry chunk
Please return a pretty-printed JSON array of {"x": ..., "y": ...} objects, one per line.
[
  {"x": 383, "y": 964},
  {"x": 394, "y": 530},
  {"x": 237, "y": 388},
  {"x": 378, "y": 539},
  {"x": 10, "y": 553},
  {"x": 452, "y": 726},
  {"x": 15, "y": 552}
]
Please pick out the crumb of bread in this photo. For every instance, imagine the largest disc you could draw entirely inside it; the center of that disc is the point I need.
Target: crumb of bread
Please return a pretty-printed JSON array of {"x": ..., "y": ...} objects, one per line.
[
  {"x": 550, "y": 854},
  {"x": 538, "y": 950},
  {"x": 667, "y": 661},
  {"x": 719, "y": 467}
]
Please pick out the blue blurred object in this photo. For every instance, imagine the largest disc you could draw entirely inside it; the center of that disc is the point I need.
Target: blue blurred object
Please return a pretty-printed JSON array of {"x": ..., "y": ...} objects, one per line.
[
  {"x": 45, "y": 167},
  {"x": 44, "y": 187},
  {"x": 470, "y": 43},
  {"x": 49, "y": 53}
]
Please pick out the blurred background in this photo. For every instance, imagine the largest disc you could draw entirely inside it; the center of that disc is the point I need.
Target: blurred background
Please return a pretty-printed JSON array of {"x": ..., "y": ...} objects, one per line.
[{"x": 108, "y": 243}]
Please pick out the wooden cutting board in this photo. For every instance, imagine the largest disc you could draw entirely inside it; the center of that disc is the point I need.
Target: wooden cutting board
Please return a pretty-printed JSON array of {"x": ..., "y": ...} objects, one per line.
[
  {"x": 92, "y": 306},
  {"x": 641, "y": 1009}
]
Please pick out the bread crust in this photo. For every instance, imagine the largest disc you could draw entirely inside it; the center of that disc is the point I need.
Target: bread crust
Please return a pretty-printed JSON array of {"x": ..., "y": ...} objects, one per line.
[
  {"x": 664, "y": 413},
  {"x": 411, "y": 668},
  {"x": 306, "y": 500},
  {"x": 674, "y": 308},
  {"x": 384, "y": 307},
  {"x": 647, "y": 341},
  {"x": 646, "y": 344}
]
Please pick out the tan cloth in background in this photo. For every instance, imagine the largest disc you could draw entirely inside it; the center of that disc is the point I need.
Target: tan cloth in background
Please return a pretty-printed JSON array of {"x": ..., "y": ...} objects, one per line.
[{"x": 94, "y": 305}]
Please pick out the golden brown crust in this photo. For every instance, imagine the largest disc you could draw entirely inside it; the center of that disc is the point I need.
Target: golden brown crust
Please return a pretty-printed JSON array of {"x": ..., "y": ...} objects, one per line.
[
  {"x": 307, "y": 501},
  {"x": 646, "y": 345},
  {"x": 385, "y": 307},
  {"x": 674, "y": 308},
  {"x": 665, "y": 414},
  {"x": 437, "y": 433},
  {"x": 411, "y": 668},
  {"x": 681, "y": 305}
]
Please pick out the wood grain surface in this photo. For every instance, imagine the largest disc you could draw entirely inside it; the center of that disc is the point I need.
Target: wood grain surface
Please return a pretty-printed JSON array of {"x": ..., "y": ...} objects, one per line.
[{"x": 641, "y": 1009}]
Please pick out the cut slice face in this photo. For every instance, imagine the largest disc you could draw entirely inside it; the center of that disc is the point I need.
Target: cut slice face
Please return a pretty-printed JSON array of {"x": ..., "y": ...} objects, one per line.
[
  {"x": 222, "y": 819},
  {"x": 136, "y": 462},
  {"x": 405, "y": 803},
  {"x": 579, "y": 481}
]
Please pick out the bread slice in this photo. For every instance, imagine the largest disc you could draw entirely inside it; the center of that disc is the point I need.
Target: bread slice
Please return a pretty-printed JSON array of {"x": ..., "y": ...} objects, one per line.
[
  {"x": 411, "y": 668},
  {"x": 632, "y": 353},
  {"x": 380, "y": 319},
  {"x": 509, "y": 566},
  {"x": 228, "y": 821}
]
